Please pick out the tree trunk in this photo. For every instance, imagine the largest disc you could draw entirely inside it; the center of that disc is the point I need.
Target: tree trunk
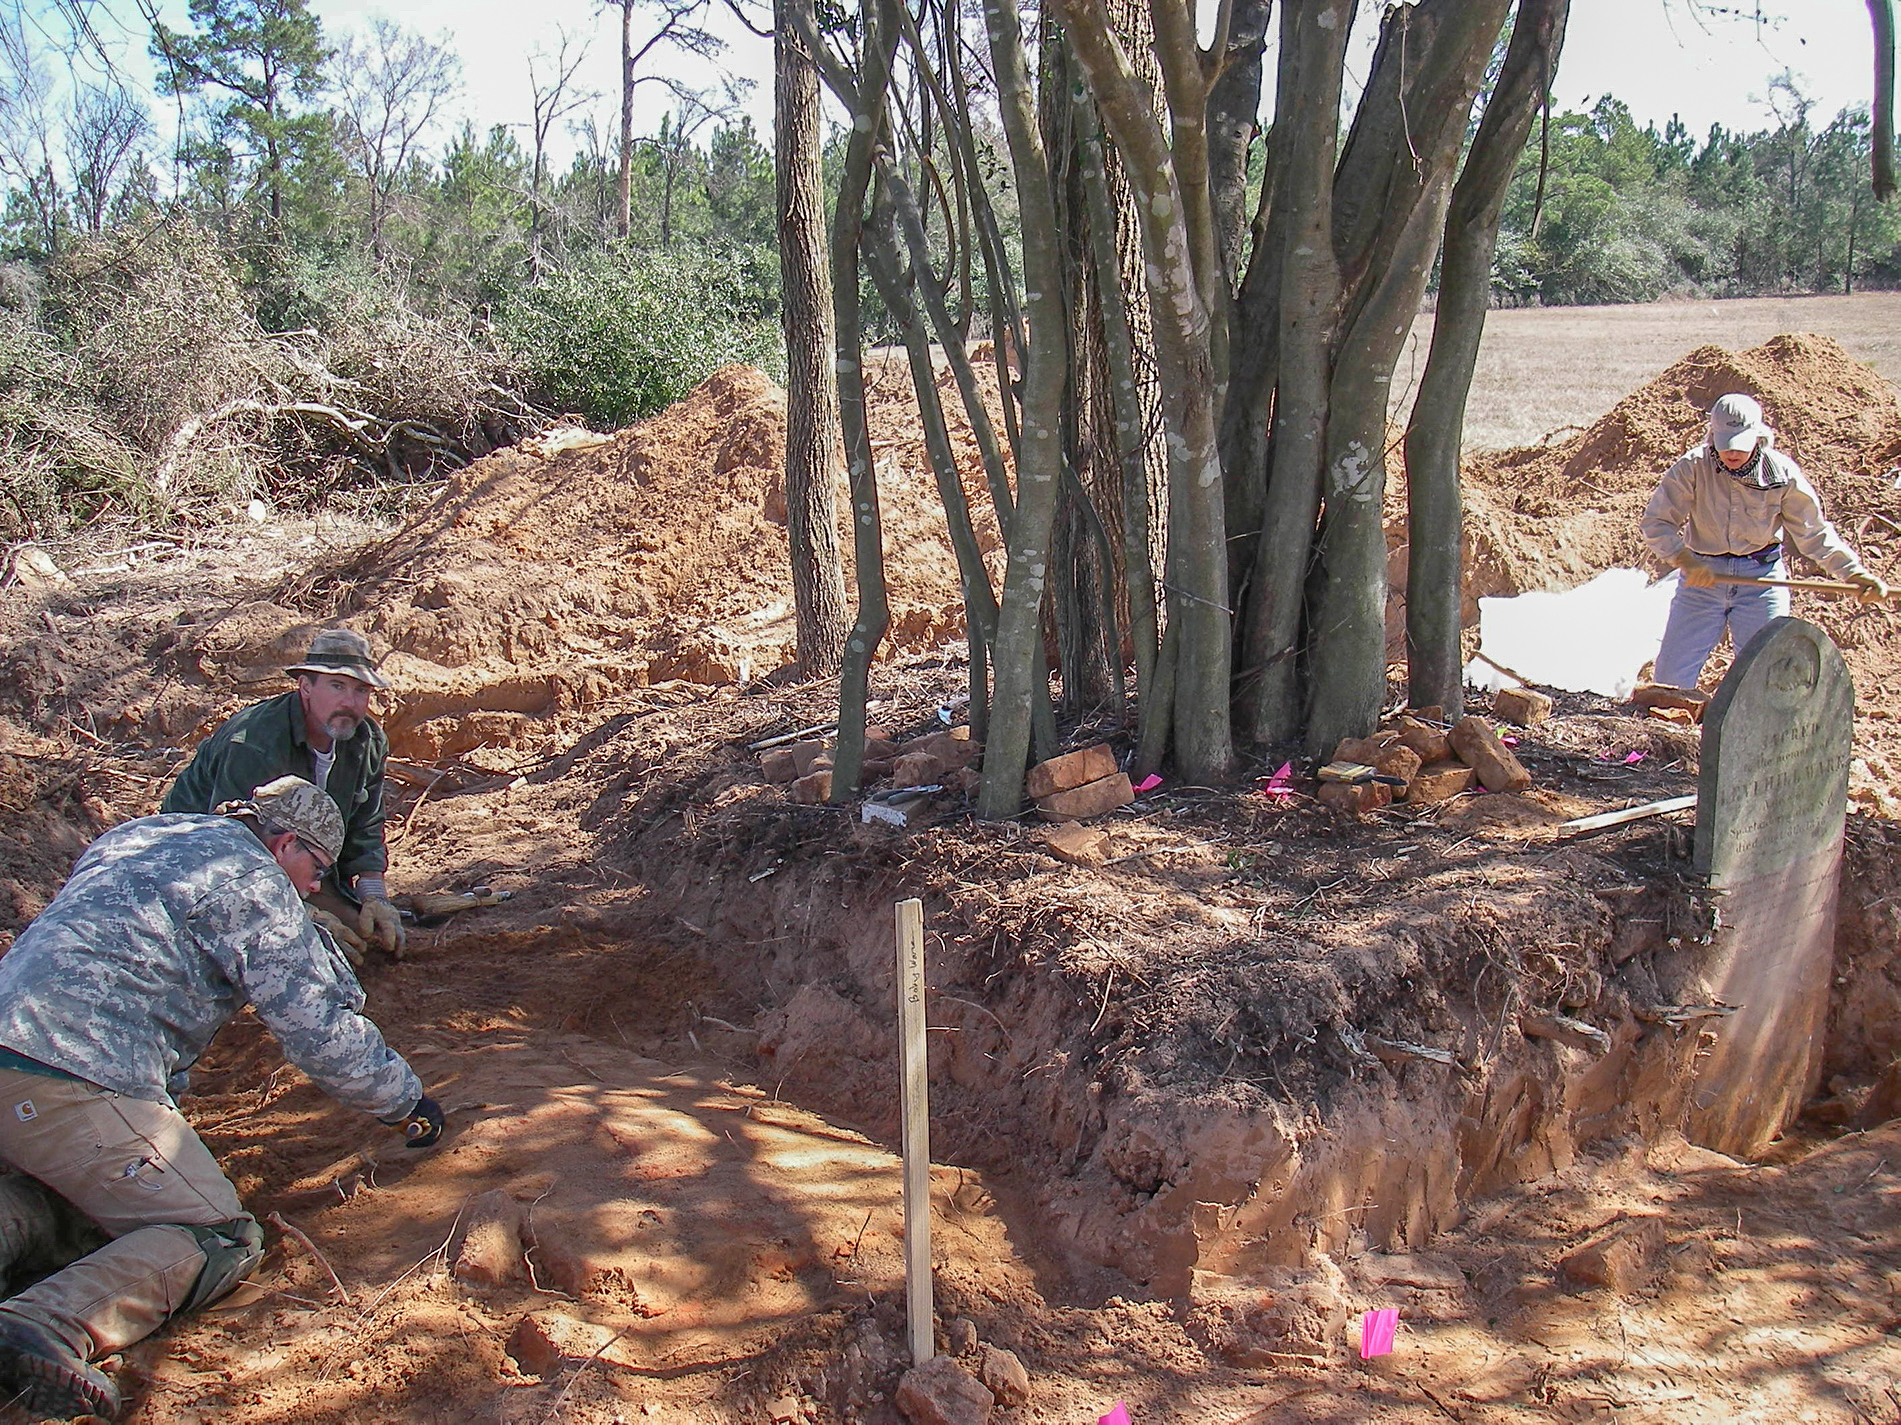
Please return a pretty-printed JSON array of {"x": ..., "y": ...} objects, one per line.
[
  {"x": 1434, "y": 577},
  {"x": 1391, "y": 197},
  {"x": 1185, "y": 346},
  {"x": 818, "y": 586},
  {"x": 624, "y": 195},
  {"x": 1019, "y": 673},
  {"x": 874, "y": 609},
  {"x": 1233, "y": 103},
  {"x": 1312, "y": 64}
]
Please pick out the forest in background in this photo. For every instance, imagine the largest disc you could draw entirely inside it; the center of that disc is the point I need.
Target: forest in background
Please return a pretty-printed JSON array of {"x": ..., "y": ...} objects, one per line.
[{"x": 165, "y": 314}]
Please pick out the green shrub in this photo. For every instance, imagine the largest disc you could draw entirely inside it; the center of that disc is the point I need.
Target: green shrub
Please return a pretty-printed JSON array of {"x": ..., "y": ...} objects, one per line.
[{"x": 621, "y": 335}]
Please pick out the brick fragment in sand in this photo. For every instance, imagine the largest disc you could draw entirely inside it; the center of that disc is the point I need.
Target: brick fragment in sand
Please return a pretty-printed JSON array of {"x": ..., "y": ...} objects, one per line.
[
  {"x": 778, "y": 766},
  {"x": 918, "y": 769},
  {"x": 1358, "y": 799},
  {"x": 1091, "y": 799},
  {"x": 941, "y": 1392},
  {"x": 1525, "y": 706},
  {"x": 1620, "y": 1257},
  {"x": 1358, "y": 749},
  {"x": 1661, "y": 695},
  {"x": 813, "y": 788},
  {"x": 1478, "y": 747},
  {"x": 1076, "y": 844},
  {"x": 1003, "y": 1375},
  {"x": 1428, "y": 741},
  {"x": 1439, "y": 782},
  {"x": 1398, "y": 760},
  {"x": 489, "y": 1253},
  {"x": 804, "y": 754},
  {"x": 533, "y": 1348},
  {"x": 1071, "y": 770},
  {"x": 952, "y": 747}
]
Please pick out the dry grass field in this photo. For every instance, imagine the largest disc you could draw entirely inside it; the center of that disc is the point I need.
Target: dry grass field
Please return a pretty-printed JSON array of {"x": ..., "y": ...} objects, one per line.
[{"x": 1545, "y": 371}]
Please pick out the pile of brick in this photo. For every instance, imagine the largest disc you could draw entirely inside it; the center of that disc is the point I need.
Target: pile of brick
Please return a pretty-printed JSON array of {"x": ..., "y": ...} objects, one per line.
[
  {"x": 948, "y": 758},
  {"x": 1418, "y": 760},
  {"x": 1079, "y": 785}
]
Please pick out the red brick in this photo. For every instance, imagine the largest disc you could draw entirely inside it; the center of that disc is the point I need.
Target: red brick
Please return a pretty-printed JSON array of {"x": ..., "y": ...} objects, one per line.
[
  {"x": 1525, "y": 706},
  {"x": 1072, "y": 769},
  {"x": 1091, "y": 799},
  {"x": 1428, "y": 741},
  {"x": 805, "y": 753},
  {"x": 813, "y": 788},
  {"x": 1399, "y": 761},
  {"x": 1479, "y": 748},
  {"x": 917, "y": 769},
  {"x": 1438, "y": 782},
  {"x": 1357, "y": 799}
]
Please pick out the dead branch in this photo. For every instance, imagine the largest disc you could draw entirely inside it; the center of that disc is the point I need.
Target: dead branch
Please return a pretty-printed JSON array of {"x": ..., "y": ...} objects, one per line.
[{"x": 278, "y": 1221}]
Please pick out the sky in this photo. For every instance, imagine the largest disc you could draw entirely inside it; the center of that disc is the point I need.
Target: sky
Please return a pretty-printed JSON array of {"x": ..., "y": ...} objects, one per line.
[{"x": 1709, "y": 61}]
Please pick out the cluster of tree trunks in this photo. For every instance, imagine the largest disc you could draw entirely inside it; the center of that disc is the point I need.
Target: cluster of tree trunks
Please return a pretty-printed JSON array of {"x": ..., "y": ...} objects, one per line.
[{"x": 1194, "y": 371}]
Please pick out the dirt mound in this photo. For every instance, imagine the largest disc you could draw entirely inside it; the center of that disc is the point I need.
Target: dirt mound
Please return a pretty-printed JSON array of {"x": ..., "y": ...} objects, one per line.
[
  {"x": 1555, "y": 516},
  {"x": 547, "y": 576}
]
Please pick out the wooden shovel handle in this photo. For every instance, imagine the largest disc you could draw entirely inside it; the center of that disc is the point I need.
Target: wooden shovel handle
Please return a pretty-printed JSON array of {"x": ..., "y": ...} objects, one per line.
[{"x": 1814, "y": 586}]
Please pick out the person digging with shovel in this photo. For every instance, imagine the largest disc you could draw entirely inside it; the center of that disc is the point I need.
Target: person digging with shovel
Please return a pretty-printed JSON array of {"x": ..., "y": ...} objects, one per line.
[
  {"x": 1720, "y": 516},
  {"x": 167, "y": 927},
  {"x": 322, "y": 731}
]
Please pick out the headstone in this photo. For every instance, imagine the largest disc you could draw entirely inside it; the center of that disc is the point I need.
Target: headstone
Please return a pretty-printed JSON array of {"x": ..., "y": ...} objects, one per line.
[{"x": 1771, "y": 801}]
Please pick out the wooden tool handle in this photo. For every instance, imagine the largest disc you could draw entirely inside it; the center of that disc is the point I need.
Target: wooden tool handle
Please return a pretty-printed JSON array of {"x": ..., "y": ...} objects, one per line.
[{"x": 1813, "y": 586}]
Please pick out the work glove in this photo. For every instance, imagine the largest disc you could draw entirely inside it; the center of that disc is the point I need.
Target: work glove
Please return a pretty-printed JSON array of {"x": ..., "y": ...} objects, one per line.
[
  {"x": 352, "y": 945},
  {"x": 421, "y": 1126},
  {"x": 1696, "y": 573},
  {"x": 379, "y": 923},
  {"x": 1873, "y": 591}
]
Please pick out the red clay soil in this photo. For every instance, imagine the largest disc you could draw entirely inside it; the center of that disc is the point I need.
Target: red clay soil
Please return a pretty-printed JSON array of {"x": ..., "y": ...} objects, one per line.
[{"x": 669, "y": 1061}]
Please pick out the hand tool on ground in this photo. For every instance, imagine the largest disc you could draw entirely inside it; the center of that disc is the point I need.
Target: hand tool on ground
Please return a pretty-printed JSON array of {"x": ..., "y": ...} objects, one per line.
[{"x": 433, "y": 903}]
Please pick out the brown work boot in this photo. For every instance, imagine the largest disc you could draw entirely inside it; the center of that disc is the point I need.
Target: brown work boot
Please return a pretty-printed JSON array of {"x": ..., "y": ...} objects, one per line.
[{"x": 39, "y": 1372}]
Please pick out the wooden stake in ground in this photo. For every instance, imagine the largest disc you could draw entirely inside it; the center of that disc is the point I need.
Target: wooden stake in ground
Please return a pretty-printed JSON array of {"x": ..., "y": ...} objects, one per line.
[{"x": 914, "y": 1104}]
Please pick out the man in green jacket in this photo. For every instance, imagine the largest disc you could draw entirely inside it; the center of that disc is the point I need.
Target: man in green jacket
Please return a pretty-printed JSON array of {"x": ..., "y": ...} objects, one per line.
[{"x": 321, "y": 731}]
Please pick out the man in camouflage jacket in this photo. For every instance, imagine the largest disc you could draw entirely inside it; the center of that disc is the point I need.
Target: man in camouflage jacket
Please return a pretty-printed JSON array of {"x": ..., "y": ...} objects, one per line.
[
  {"x": 168, "y": 926},
  {"x": 322, "y": 731}
]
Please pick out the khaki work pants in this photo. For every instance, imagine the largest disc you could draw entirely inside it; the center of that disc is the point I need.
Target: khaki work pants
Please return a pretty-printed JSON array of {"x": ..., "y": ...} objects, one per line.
[{"x": 138, "y": 1170}]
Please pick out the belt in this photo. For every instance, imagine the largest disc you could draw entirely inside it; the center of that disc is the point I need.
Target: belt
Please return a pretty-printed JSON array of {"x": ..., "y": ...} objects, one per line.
[{"x": 1767, "y": 554}]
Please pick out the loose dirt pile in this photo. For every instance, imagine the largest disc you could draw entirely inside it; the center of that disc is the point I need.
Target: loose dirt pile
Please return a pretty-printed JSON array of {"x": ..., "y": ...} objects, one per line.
[
  {"x": 1145, "y": 1075},
  {"x": 1553, "y": 517}
]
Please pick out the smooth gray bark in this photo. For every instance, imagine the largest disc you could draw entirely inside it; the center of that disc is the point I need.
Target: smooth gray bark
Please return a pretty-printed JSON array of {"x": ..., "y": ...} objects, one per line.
[
  {"x": 1269, "y": 701},
  {"x": 1021, "y": 680},
  {"x": 1435, "y": 566},
  {"x": 1442, "y": 47}
]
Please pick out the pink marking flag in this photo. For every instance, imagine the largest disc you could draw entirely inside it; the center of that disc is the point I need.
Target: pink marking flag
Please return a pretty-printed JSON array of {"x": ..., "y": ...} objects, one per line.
[
  {"x": 1117, "y": 1416},
  {"x": 1148, "y": 783},
  {"x": 1277, "y": 787},
  {"x": 1634, "y": 757},
  {"x": 1377, "y": 1329}
]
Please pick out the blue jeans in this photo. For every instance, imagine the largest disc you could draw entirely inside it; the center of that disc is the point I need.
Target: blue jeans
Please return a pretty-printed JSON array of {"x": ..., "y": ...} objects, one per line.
[{"x": 1699, "y": 616}]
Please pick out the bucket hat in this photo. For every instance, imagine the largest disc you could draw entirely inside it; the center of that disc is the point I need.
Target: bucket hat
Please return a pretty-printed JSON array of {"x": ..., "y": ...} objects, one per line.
[{"x": 343, "y": 651}]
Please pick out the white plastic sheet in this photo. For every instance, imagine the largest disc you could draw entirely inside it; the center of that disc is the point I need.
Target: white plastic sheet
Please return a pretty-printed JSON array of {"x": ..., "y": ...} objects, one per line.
[{"x": 1591, "y": 639}]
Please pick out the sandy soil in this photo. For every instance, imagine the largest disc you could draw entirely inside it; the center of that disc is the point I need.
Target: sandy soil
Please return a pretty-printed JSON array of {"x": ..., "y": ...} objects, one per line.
[{"x": 668, "y": 1059}]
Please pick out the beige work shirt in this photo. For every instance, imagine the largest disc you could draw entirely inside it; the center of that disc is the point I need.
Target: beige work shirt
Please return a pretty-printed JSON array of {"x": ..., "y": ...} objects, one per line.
[{"x": 1701, "y": 507}]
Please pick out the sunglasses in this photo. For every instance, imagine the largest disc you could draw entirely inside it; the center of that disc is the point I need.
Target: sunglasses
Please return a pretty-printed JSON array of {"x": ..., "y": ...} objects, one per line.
[{"x": 323, "y": 860}]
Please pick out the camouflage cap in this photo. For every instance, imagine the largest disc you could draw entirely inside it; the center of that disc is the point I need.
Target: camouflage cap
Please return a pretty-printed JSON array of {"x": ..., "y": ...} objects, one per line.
[{"x": 296, "y": 805}]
